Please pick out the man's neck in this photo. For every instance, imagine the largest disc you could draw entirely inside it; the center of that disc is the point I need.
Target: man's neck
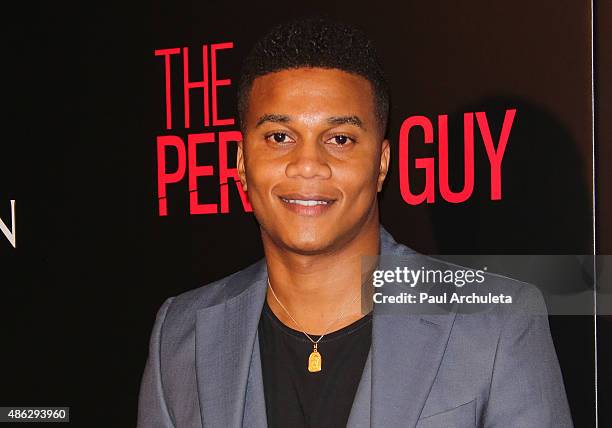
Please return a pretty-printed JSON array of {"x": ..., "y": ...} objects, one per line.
[{"x": 316, "y": 289}]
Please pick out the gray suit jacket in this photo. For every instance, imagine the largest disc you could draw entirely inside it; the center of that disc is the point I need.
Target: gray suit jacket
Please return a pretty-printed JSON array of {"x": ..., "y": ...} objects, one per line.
[{"x": 495, "y": 369}]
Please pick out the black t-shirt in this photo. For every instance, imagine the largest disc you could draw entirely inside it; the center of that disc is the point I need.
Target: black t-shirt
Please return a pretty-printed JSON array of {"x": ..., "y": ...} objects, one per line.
[{"x": 296, "y": 397}]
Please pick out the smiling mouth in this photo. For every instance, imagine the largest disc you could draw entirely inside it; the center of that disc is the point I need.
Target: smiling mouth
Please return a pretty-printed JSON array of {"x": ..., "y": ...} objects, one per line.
[
  {"x": 306, "y": 202},
  {"x": 307, "y": 205}
]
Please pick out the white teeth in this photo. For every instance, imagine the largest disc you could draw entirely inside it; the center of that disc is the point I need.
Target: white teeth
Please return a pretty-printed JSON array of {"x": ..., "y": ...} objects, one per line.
[{"x": 306, "y": 203}]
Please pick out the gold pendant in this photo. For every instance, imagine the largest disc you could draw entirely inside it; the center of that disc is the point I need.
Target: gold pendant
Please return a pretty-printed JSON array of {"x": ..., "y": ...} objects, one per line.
[{"x": 314, "y": 361}]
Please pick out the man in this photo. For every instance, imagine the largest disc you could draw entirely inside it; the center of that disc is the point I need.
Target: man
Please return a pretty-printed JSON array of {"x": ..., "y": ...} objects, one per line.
[{"x": 285, "y": 342}]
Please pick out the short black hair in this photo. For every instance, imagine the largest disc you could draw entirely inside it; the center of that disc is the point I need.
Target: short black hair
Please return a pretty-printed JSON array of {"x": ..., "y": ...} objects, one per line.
[{"x": 315, "y": 42}]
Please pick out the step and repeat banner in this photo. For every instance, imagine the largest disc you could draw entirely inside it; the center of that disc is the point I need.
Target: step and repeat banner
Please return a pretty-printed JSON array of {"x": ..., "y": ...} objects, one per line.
[{"x": 119, "y": 185}]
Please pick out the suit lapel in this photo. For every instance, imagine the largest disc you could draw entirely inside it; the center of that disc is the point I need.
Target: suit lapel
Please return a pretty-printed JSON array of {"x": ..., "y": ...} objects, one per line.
[
  {"x": 228, "y": 367},
  {"x": 400, "y": 370},
  {"x": 407, "y": 350},
  {"x": 255, "y": 402},
  {"x": 406, "y": 354}
]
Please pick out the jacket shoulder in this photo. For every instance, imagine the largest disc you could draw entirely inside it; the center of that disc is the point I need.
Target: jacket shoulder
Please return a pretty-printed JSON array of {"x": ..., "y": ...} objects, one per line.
[{"x": 183, "y": 307}]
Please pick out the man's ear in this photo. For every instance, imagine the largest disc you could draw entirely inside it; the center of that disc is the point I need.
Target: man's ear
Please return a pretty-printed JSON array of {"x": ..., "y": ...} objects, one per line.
[
  {"x": 385, "y": 157},
  {"x": 240, "y": 164}
]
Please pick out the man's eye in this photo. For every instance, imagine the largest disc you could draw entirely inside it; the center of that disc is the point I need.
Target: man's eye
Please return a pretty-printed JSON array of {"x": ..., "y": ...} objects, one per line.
[
  {"x": 340, "y": 140},
  {"x": 279, "y": 137}
]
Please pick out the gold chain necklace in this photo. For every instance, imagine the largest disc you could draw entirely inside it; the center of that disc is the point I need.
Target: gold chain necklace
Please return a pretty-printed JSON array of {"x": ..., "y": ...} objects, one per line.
[{"x": 315, "y": 361}]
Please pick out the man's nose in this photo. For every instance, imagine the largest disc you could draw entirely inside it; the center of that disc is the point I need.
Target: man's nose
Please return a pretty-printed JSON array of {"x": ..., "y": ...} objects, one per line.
[{"x": 308, "y": 160}]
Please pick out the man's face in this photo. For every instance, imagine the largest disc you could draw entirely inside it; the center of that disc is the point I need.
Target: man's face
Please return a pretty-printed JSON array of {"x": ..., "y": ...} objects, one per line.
[{"x": 313, "y": 157}]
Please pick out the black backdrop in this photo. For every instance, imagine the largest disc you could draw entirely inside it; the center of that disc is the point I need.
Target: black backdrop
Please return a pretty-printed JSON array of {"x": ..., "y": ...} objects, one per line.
[{"x": 95, "y": 260}]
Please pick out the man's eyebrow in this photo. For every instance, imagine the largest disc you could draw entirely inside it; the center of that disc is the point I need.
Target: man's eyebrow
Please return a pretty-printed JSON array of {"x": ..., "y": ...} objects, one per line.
[
  {"x": 341, "y": 120},
  {"x": 276, "y": 118},
  {"x": 333, "y": 120}
]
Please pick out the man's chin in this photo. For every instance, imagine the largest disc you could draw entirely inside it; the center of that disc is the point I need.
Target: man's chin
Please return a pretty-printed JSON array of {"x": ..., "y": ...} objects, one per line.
[
  {"x": 308, "y": 246},
  {"x": 310, "y": 251},
  {"x": 316, "y": 243},
  {"x": 311, "y": 239}
]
